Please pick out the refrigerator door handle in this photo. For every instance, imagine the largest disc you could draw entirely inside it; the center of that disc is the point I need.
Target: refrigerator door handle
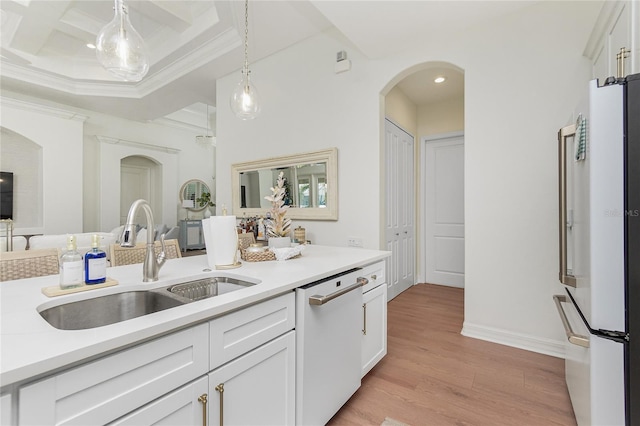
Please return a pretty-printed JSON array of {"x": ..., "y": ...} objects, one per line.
[
  {"x": 616, "y": 336},
  {"x": 563, "y": 135},
  {"x": 576, "y": 339}
]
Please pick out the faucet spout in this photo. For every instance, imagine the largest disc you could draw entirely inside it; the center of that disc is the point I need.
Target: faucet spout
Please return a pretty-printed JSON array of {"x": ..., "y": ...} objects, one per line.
[{"x": 151, "y": 265}]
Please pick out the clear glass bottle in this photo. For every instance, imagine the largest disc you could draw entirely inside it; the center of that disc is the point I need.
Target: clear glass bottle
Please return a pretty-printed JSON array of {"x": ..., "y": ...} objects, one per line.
[
  {"x": 95, "y": 263},
  {"x": 71, "y": 266}
]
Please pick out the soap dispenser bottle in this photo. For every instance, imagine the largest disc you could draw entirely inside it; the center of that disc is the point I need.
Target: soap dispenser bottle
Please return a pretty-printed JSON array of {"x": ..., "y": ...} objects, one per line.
[
  {"x": 71, "y": 266},
  {"x": 95, "y": 263}
]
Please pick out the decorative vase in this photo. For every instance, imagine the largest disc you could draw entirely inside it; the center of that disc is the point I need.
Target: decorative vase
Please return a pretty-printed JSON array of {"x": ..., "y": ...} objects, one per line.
[
  {"x": 279, "y": 242},
  {"x": 207, "y": 213}
]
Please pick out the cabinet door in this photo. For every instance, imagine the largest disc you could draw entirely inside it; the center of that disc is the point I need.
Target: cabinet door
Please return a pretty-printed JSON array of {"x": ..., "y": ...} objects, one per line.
[
  {"x": 257, "y": 388},
  {"x": 615, "y": 28},
  {"x": 101, "y": 391},
  {"x": 5, "y": 410},
  {"x": 374, "y": 331},
  {"x": 185, "y": 406}
]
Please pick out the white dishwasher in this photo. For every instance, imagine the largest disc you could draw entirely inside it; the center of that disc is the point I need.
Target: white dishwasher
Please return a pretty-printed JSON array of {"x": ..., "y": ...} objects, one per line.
[{"x": 328, "y": 345}]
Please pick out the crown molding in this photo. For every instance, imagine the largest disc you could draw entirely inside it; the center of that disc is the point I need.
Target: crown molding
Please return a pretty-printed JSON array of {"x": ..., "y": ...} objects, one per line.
[
  {"x": 116, "y": 141},
  {"x": 218, "y": 46},
  {"x": 42, "y": 109},
  {"x": 200, "y": 56}
]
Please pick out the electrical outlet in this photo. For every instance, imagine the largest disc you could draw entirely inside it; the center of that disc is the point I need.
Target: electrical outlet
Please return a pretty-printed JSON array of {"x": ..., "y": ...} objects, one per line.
[{"x": 354, "y": 242}]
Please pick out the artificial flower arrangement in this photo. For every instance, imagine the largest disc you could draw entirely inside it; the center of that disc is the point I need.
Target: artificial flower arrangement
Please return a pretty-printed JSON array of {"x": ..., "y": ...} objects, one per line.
[{"x": 279, "y": 225}]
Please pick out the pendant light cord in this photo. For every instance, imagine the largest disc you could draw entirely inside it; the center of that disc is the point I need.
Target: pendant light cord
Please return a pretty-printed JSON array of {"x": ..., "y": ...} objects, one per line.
[{"x": 246, "y": 37}]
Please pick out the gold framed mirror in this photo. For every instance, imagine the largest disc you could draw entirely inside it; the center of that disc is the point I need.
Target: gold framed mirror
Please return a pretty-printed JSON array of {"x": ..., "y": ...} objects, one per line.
[
  {"x": 193, "y": 190},
  {"x": 311, "y": 182}
]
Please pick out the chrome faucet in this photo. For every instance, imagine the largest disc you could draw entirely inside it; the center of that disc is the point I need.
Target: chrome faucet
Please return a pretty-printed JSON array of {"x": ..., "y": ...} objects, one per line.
[{"x": 151, "y": 266}]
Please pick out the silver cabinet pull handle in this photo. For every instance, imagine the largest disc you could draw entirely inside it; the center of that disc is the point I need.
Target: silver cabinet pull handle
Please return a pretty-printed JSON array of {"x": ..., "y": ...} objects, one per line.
[
  {"x": 220, "y": 389},
  {"x": 364, "y": 319},
  {"x": 576, "y": 339},
  {"x": 317, "y": 299},
  {"x": 203, "y": 399},
  {"x": 563, "y": 135}
]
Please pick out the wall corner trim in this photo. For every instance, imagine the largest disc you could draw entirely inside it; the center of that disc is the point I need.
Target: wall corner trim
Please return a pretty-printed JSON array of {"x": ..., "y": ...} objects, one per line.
[
  {"x": 116, "y": 141},
  {"x": 42, "y": 109}
]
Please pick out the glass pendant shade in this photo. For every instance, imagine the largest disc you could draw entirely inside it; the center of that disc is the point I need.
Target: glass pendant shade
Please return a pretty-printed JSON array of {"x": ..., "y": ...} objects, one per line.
[
  {"x": 244, "y": 101},
  {"x": 120, "y": 49}
]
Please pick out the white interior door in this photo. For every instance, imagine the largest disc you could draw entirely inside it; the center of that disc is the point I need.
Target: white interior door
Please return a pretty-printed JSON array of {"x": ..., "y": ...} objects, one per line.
[
  {"x": 444, "y": 211},
  {"x": 400, "y": 207},
  {"x": 135, "y": 183}
]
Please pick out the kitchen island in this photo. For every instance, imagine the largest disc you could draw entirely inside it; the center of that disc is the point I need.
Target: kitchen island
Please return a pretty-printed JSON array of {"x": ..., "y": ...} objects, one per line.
[{"x": 32, "y": 350}]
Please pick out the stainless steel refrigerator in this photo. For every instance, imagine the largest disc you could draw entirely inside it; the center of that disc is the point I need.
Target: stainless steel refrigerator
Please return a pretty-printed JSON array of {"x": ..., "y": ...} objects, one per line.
[{"x": 599, "y": 197}]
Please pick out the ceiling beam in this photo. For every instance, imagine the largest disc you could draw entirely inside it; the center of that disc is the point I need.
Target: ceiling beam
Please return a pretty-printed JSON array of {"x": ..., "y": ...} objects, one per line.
[
  {"x": 36, "y": 27},
  {"x": 174, "y": 14}
]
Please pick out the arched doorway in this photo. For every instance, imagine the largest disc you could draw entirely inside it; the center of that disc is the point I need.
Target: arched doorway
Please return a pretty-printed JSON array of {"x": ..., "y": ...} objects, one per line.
[
  {"x": 140, "y": 177},
  {"x": 428, "y": 111},
  {"x": 23, "y": 157}
]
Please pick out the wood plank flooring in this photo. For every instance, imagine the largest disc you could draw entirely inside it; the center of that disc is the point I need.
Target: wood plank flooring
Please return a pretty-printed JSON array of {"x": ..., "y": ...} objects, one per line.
[{"x": 432, "y": 375}]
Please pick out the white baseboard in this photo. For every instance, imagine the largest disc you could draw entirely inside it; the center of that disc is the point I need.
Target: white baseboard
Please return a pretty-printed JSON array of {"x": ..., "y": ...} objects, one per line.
[{"x": 517, "y": 340}]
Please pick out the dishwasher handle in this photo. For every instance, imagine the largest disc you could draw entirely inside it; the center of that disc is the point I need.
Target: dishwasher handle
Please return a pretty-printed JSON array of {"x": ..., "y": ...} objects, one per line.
[{"x": 317, "y": 299}]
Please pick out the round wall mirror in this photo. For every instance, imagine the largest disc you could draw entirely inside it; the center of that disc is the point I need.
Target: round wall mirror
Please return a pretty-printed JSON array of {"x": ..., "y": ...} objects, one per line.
[{"x": 195, "y": 195}]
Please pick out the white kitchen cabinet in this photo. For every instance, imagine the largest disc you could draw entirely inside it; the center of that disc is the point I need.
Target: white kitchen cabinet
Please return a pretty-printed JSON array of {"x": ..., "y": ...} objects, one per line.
[
  {"x": 257, "y": 388},
  {"x": 374, "y": 330},
  {"x": 239, "y": 332},
  {"x": 101, "y": 391},
  {"x": 617, "y": 26},
  {"x": 374, "y": 315},
  {"x": 5, "y": 410},
  {"x": 184, "y": 406}
]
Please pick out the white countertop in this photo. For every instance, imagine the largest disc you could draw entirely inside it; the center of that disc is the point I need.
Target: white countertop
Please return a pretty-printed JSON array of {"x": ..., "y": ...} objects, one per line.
[{"x": 31, "y": 347}]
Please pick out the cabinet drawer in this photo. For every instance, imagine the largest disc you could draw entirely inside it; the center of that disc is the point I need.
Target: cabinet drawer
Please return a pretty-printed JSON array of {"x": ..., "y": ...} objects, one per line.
[
  {"x": 375, "y": 274},
  {"x": 239, "y": 332},
  {"x": 104, "y": 390}
]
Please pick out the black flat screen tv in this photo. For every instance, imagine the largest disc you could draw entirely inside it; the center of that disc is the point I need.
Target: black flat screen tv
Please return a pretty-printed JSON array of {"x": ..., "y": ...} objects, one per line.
[{"x": 6, "y": 195}]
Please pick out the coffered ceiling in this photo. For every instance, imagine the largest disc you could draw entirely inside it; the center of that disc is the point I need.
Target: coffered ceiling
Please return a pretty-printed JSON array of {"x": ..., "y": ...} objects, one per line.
[{"x": 191, "y": 43}]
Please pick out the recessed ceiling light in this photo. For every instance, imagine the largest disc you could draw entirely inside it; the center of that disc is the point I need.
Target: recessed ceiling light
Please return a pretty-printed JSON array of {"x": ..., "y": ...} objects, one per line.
[
  {"x": 440, "y": 79},
  {"x": 91, "y": 45}
]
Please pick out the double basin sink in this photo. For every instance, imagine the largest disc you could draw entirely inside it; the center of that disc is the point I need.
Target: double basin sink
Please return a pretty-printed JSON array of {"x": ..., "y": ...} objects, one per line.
[{"x": 113, "y": 308}]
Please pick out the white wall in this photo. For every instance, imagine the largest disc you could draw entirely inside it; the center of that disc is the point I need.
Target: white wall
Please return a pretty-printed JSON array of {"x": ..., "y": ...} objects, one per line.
[
  {"x": 307, "y": 107},
  {"x": 522, "y": 75},
  {"x": 402, "y": 111},
  {"x": 59, "y": 133},
  {"x": 441, "y": 117},
  {"x": 75, "y": 172}
]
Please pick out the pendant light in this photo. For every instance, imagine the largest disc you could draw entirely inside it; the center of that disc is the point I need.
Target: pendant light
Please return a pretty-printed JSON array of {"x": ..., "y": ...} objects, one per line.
[
  {"x": 244, "y": 101},
  {"x": 120, "y": 49},
  {"x": 207, "y": 139}
]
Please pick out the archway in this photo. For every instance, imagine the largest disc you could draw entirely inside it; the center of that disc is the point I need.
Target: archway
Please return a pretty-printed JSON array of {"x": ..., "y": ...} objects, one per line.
[
  {"x": 426, "y": 110},
  {"x": 23, "y": 157},
  {"x": 140, "y": 177}
]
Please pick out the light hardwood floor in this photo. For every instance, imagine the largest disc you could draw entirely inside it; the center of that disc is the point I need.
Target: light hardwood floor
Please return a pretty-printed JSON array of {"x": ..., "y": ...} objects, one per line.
[{"x": 432, "y": 375}]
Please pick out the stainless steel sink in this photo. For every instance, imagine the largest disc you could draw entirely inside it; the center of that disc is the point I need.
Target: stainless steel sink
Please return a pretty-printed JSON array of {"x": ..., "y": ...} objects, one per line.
[
  {"x": 109, "y": 309},
  {"x": 113, "y": 308},
  {"x": 208, "y": 287}
]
